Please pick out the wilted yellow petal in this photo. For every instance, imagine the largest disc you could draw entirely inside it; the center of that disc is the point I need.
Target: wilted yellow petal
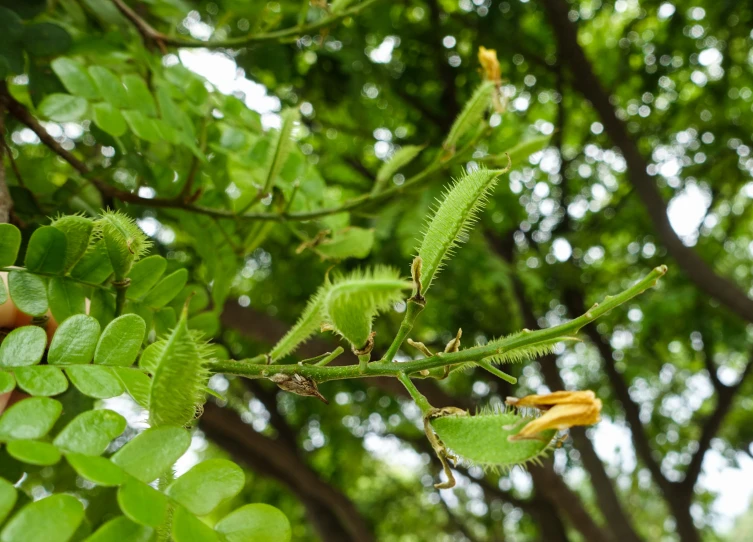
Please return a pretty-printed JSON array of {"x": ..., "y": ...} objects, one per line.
[
  {"x": 489, "y": 63},
  {"x": 563, "y": 409}
]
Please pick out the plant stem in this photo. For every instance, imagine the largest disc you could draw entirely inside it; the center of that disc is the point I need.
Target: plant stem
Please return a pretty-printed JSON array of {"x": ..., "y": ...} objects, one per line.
[
  {"x": 496, "y": 372},
  {"x": 121, "y": 287},
  {"x": 417, "y": 396},
  {"x": 474, "y": 354},
  {"x": 363, "y": 362},
  {"x": 412, "y": 311}
]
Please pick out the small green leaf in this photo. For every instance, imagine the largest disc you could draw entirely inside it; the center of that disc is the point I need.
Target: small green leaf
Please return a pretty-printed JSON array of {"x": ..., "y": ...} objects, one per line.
[
  {"x": 102, "y": 306},
  {"x": 206, "y": 485},
  {"x": 94, "y": 266},
  {"x": 255, "y": 522},
  {"x": 74, "y": 341},
  {"x": 41, "y": 380},
  {"x": 28, "y": 292},
  {"x": 63, "y": 107},
  {"x": 8, "y": 498},
  {"x": 90, "y": 432},
  {"x": 122, "y": 529},
  {"x": 66, "y": 298},
  {"x": 52, "y": 519},
  {"x": 46, "y": 39},
  {"x": 121, "y": 341},
  {"x": 74, "y": 78},
  {"x": 7, "y": 382},
  {"x": 520, "y": 153},
  {"x": 166, "y": 289},
  {"x": 110, "y": 87},
  {"x": 152, "y": 452},
  {"x": 46, "y": 251},
  {"x": 109, "y": 119},
  {"x": 95, "y": 381},
  {"x": 348, "y": 243},
  {"x": 136, "y": 383},
  {"x": 97, "y": 470},
  {"x": 10, "y": 242},
  {"x": 142, "y": 126},
  {"x": 165, "y": 320},
  {"x": 77, "y": 230},
  {"x": 189, "y": 528},
  {"x": 23, "y": 346},
  {"x": 144, "y": 275},
  {"x": 139, "y": 95},
  {"x": 29, "y": 419},
  {"x": 400, "y": 159},
  {"x": 34, "y": 452},
  {"x": 142, "y": 503}
]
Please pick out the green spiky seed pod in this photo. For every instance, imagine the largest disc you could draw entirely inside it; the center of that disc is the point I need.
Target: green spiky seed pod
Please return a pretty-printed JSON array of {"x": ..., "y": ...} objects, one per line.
[
  {"x": 454, "y": 216},
  {"x": 471, "y": 114},
  {"x": 178, "y": 365},
  {"x": 308, "y": 324},
  {"x": 352, "y": 301},
  {"x": 483, "y": 439},
  {"x": 124, "y": 240}
]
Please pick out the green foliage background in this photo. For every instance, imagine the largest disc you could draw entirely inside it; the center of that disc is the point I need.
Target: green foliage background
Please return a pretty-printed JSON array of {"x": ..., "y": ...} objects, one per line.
[{"x": 572, "y": 222}]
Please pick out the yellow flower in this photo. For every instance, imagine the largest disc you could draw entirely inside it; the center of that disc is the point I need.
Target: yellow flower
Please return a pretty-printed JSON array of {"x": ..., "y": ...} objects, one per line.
[
  {"x": 562, "y": 410},
  {"x": 489, "y": 63}
]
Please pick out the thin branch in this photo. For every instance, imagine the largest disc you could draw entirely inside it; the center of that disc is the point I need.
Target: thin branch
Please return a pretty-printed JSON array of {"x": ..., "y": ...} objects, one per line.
[
  {"x": 150, "y": 33},
  {"x": 6, "y": 203}
]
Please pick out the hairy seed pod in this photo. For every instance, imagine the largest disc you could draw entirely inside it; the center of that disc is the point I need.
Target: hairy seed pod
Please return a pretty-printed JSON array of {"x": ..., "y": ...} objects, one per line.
[
  {"x": 123, "y": 239},
  {"x": 471, "y": 114}
]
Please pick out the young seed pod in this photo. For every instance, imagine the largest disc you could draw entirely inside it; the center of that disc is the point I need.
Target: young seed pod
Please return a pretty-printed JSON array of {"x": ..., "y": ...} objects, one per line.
[
  {"x": 484, "y": 439},
  {"x": 123, "y": 239},
  {"x": 469, "y": 117}
]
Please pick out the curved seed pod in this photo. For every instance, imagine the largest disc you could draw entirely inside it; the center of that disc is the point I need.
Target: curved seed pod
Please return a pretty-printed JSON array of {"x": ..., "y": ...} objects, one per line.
[
  {"x": 178, "y": 364},
  {"x": 401, "y": 158},
  {"x": 308, "y": 324},
  {"x": 485, "y": 439},
  {"x": 352, "y": 301},
  {"x": 124, "y": 241},
  {"x": 471, "y": 114},
  {"x": 454, "y": 216}
]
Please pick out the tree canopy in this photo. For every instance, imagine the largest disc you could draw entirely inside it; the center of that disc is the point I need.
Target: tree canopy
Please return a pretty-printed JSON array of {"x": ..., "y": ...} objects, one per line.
[{"x": 206, "y": 193}]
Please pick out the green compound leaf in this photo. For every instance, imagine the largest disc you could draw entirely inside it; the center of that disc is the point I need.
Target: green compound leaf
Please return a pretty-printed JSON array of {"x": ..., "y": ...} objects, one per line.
[
  {"x": 102, "y": 307},
  {"x": 66, "y": 298},
  {"x": 94, "y": 266},
  {"x": 10, "y": 242},
  {"x": 206, "y": 485},
  {"x": 124, "y": 241},
  {"x": 139, "y": 96},
  {"x": 90, "y": 432},
  {"x": 144, "y": 275},
  {"x": 63, "y": 108},
  {"x": 178, "y": 365},
  {"x": 41, "y": 380},
  {"x": 151, "y": 453},
  {"x": 121, "y": 341},
  {"x": 471, "y": 115},
  {"x": 400, "y": 159},
  {"x": 8, "y": 498},
  {"x": 255, "y": 522},
  {"x": 189, "y": 528},
  {"x": 52, "y": 519},
  {"x": 95, "y": 381},
  {"x": 109, "y": 119},
  {"x": 142, "y": 126},
  {"x": 7, "y": 382},
  {"x": 483, "y": 439},
  {"x": 74, "y": 78},
  {"x": 29, "y": 419},
  {"x": 77, "y": 230},
  {"x": 74, "y": 341},
  {"x": 142, "y": 503},
  {"x": 455, "y": 215},
  {"x": 29, "y": 292},
  {"x": 122, "y": 529},
  {"x": 352, "y": 301},
  {"x": 46, "y": 251},
  {"x": 23, "y": 346},
  {"x": 109, "y": 86},
  {"x": 97, "y": 470},
  {"x": 34, "y": 452},
  {"x": 348, "y": 243},
  {"x": 136, "y": 383},
  {"x": 166, "y": 289},
  {"x": 46, "y": 39}
]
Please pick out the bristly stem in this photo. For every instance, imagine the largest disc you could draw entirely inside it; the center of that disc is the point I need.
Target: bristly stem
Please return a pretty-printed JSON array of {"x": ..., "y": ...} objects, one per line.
[
  {"x": 474, "y": 354},
  {"x": 412, "y": 311},
  {"x": 417, "y": 396},
  {"x": 121, "y": 287}
]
